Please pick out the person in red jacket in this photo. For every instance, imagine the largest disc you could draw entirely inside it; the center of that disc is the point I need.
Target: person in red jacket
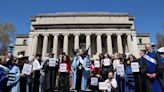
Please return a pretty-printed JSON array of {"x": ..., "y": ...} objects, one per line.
[{"x": 64, "y": 69}]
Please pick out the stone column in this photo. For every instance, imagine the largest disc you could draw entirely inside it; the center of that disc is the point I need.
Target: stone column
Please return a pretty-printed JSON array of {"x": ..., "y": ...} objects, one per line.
[
  {"x": 65, "y": 47},
  {"x": 76, "y": 41},
  {"x": 30, "y": 44},
  {"x": 119, "y": 44},
  {"x": 55, "y": 45},
  {"x": 109, "y": 44},
  {"x": 35, "y": 44},
  {"x": 45, "y": 43},
  {"x": 88, "y": 43},
  {"x": 135, "y": 46},
  {"x": 99, "y": 44},
  {"x": 129, "y": 42}
]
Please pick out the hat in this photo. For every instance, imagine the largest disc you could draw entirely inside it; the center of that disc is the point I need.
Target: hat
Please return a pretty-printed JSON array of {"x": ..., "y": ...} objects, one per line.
[
  {"x": 20, "y": 56},
  {"x": 161, "y": 50}
]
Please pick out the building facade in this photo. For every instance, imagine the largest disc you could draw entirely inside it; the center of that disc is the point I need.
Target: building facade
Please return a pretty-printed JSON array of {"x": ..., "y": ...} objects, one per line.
[{"x": 62, "y": 32}]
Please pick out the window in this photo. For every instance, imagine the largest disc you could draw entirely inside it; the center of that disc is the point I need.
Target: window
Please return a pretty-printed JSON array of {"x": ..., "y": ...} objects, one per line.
[
  {"x": 140, "y": 40},
  {"x": 24, "y": 42}
]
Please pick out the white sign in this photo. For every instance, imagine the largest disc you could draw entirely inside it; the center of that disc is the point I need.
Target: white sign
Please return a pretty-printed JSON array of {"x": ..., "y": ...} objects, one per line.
[
  {"x": 97, "y": 64},
  {"x": 52, "y": 62},
  {"x": 63, "y": 67},
  {"x": 135, "y": 66},
  {"x": 94, "y": 81},
  {"x": 27, "y": 68},
  {"x": 36, "y": 65},
  {"x": 103, "y": 86},
  {"x": 120, "y": 69},
  {"x": 107, "y": 62}
]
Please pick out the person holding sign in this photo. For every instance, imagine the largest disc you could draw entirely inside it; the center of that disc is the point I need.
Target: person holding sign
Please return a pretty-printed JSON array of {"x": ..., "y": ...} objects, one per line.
[
  {"x": 94, "y": 81},
  {"x": 64, "y": 69},
  {"x": 130, "y": 82},
  {"x": 97, "y": 63},
  {"x": 136, "y": 71},
  {"x": 80, "y": 71},
  {"x": 106, "y": 66},
  {"x": 97, "y": 66},
  {"x": 36, "y": 72},
  {"x": 111, "y": 82},
  {"x": 120, "y": 71},
  {"x": 50, "y": 73},
  {"x": 23, "y": 77}
]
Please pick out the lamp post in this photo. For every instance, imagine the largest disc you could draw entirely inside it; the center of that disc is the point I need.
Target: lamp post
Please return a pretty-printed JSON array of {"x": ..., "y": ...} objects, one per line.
[
  {"x": 11, "y": 46},
  {"x": 153, "y": 47}
]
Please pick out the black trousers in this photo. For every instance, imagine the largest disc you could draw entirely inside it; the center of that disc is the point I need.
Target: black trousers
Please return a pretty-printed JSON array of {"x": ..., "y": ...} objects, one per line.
[{"x": 64, "y": 82}]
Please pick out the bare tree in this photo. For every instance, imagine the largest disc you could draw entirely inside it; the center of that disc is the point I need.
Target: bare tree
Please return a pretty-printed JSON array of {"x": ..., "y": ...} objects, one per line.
[
  {"x": 7, "y": 34},
  {"x": 160, "y": 40}
]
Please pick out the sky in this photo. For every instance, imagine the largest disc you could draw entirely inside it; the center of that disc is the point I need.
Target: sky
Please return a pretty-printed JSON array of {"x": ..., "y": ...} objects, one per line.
[{"x": 149, "y": 14}]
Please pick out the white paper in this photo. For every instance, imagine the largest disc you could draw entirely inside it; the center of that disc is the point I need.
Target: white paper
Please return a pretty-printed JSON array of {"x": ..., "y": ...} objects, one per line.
[
  {"x": 63, "y": 68},
  {"x": 36, "y": 65},
  {"x": 120, "y": 69},
  {"x": 94, "y": 81},
  {"x": 52, "y": 62},
  {"x": 103, "y": 86},
  {"x": 107, "y": 62},
  {"x": 27, "y": 68},
  {"x": 135, "y": 66},
  {"x": 81, "y": 60},
  {"x": 97, "y": 64}
]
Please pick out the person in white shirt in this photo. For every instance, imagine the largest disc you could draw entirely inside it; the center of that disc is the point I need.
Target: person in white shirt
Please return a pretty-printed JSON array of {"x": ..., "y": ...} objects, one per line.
[{"x": 112, "y": 83}]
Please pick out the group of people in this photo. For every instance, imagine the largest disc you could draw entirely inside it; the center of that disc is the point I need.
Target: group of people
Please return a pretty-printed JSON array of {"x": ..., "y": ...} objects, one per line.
[{"x": 105, "y": 73}]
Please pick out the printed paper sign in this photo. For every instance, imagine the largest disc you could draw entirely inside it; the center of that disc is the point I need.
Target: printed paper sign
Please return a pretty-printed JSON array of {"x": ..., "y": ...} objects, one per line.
[
  {"x": 52, "y": 62},
  {"x": 107, "y": 62},
  {"x": 94, "y": 81},
  {"x": 135, "y": 66},
  {"x": 63, "y": 68},
  {"x": 103, "y": 86},
  {"x": 97, "y": 64},
  {"x": 27, "y": 68},
  {"x": 120, "y": 69},
  {"x": 36, "y": 65}
]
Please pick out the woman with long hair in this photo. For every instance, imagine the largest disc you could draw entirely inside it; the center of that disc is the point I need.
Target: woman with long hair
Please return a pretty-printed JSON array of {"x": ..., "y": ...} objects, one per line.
[
  {"x": 106, "y": 66},
  {"x": 64, "y": 74},
  {"x": 131, "y": 79}
]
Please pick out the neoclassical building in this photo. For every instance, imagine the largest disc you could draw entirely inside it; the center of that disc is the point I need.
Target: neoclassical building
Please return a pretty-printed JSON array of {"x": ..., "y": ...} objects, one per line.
[{"x": 63, "y": 32}]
